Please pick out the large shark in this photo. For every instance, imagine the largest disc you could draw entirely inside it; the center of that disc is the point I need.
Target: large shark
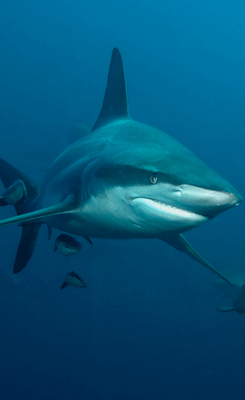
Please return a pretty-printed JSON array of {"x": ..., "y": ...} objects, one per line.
[{"x": 122, "y": 180}]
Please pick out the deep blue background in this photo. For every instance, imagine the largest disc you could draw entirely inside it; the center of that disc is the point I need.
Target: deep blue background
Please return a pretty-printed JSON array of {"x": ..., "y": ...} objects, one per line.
[{"x": 142, "y": 329}]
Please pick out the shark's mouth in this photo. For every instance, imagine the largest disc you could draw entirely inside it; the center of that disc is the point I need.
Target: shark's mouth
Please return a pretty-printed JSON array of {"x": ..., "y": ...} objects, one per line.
[
  {"x": 187, "y": 203},
  {"x": 154, "y": 212},
  {"x": 160, "y": 207}
]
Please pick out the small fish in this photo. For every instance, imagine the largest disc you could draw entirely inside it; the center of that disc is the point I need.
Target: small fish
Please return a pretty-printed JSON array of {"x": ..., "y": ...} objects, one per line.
[
  {"x": 67, "y": 244},
  {"x": 238, "y": 304},
  {"x": 14, "y": 193},
  {"x": 74, "y": 280}
]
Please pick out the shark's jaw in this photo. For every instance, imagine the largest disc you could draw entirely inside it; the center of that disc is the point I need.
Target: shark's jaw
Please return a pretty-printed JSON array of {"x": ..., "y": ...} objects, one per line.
[
  {"x": 182, "y": 208},
  {"x": 189, "y": 199},
  {"x": 178, "y": 218},
  {"x": 163, "y": 218},
  {"x": 133, "y": 212}
]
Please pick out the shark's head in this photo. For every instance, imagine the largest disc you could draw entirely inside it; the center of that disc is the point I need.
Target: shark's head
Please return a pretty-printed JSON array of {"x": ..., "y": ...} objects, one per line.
[
  {"x": 156, "y": 181},
  {"x": 148, "y": 177}
]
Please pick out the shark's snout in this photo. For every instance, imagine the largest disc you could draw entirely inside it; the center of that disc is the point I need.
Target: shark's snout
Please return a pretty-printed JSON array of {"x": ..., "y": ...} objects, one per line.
[
  {"x": 207, "y": 202},
  {"x": 182, "y": 207},
  {"x": 234, "y": 199}
]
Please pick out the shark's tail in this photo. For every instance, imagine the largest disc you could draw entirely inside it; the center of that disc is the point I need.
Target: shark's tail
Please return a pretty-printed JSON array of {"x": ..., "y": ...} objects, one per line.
[{"x": 30, "y": 230}]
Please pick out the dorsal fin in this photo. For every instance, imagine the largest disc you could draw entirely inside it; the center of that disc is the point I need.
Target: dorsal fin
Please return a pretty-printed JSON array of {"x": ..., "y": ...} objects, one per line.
[{"x": 115, "y": 101}]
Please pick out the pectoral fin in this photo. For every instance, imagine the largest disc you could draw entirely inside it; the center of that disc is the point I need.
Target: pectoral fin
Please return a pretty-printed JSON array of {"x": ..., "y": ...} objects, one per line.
[
  {"x": 181, "y": 244},
  {"x": 27, "y": 245},
  {"x": 61, "y": 208}
]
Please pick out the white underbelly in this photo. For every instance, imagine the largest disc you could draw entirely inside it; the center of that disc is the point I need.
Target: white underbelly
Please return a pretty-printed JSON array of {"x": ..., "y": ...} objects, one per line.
[{"x": 140, "y": 218}]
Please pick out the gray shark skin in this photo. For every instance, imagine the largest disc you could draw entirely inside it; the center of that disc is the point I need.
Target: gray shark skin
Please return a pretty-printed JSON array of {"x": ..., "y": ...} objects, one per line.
[{"x": 123, "y": 180}]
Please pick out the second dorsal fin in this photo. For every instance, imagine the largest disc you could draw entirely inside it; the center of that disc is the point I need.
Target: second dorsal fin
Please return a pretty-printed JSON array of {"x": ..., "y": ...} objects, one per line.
[{"x": 115, "y": 100}]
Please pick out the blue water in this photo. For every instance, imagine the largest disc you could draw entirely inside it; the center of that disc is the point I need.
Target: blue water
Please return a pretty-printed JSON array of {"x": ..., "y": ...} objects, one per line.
[{"x": 146, "y": 327}]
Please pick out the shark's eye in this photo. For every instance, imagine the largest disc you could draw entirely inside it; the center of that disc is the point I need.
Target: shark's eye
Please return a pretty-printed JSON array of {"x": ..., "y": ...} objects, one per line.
[{"x": 153, "y": 178}]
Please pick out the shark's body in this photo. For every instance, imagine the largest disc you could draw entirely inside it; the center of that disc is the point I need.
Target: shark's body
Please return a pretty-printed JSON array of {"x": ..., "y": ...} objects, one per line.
[{"x": 123, "y": 180}]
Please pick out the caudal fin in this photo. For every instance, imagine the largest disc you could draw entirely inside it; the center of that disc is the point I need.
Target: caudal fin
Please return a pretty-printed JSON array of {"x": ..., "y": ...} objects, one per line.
[
  {"x": 30, "y": 230},
  {"x": 26, "y": 246}
]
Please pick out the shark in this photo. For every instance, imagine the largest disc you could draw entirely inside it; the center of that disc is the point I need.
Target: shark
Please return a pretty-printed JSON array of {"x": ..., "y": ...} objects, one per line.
[{"x": 122, "y": 180}]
